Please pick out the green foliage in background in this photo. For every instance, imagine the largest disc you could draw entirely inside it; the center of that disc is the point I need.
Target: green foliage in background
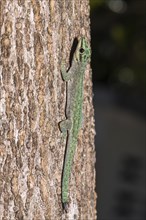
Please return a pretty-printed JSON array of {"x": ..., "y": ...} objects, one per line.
[
  {"x": 118, "y": 42},
  {"x": 96, "y": 3}
]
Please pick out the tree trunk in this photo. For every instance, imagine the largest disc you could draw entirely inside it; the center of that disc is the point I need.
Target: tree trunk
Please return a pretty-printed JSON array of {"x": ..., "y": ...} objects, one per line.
[{"x": 36, "y": 35}]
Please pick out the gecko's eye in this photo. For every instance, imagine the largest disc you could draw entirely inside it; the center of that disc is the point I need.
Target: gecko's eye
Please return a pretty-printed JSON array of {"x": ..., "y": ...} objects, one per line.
[{"x": 82, "y": 50}]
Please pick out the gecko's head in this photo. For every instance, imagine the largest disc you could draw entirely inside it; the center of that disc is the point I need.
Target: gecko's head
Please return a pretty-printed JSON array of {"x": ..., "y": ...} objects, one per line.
[{"x": 83, "y": 51}]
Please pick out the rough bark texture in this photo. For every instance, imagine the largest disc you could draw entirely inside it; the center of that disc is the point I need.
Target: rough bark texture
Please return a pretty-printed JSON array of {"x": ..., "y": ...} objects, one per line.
[{"x": 36, "y": 35}]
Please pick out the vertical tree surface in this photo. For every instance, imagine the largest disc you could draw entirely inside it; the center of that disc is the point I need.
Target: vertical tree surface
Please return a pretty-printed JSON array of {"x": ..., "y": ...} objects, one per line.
[{"x": 36, "y": 35}]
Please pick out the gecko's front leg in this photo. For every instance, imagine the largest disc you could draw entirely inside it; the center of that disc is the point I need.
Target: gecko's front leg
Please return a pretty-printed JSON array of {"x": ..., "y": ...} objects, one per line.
[{"x": 66, "y": 75}]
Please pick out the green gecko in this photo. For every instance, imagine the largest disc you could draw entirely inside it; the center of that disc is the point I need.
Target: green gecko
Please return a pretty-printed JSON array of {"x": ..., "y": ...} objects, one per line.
[{"x": 71, "y": 126}]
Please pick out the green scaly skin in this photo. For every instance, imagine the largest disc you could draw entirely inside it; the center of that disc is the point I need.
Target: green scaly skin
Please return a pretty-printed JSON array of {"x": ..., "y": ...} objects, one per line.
[{"x": 72, "y": 124}]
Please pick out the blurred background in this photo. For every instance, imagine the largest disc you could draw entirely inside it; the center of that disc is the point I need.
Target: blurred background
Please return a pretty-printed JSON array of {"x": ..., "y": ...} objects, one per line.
[{"x": 118, "y": 31}]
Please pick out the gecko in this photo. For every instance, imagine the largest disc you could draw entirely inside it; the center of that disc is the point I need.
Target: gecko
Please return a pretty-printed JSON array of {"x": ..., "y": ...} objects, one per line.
[{"x": 71, "y": 126}]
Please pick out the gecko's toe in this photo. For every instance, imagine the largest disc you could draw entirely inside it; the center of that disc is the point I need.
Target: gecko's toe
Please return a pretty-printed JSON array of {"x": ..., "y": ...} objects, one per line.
[{"x": 65, "y": 206}]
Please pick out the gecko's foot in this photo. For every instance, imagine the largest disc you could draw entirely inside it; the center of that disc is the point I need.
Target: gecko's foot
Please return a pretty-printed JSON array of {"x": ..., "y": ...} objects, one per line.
[
  {"x": 65, "y": 206},
  {"x": 65, "y": 125}
]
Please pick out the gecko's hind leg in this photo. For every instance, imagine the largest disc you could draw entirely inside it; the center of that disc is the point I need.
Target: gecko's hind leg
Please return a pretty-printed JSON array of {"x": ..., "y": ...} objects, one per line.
[{"x": 65, "y": 125}]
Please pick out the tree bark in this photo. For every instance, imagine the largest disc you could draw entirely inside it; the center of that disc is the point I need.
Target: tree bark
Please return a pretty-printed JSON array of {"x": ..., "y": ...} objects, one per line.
[{"x": 36, "y": 35}]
